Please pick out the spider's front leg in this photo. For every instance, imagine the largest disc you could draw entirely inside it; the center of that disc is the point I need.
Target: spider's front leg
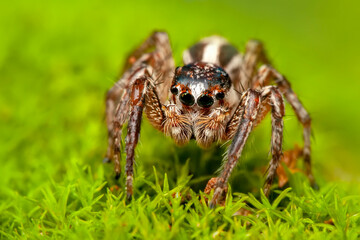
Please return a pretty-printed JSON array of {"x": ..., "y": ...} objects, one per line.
[
  {"x": 117, "y": 112},
  {"x": 137, "y": 102},
  {"x": 143, "y": 96},
  {"x": 248, "y": 108},
  {"x": 247, "y": 115},
  {"x": 140, "y": 63}
]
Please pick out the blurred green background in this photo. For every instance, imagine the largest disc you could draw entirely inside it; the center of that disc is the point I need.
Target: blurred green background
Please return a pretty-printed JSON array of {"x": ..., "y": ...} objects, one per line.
[{"x": 58, "y": 58}]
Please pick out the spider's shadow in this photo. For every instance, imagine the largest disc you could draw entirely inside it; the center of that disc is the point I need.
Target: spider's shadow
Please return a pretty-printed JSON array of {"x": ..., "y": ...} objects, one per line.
[{"x": 204, "y": 164}]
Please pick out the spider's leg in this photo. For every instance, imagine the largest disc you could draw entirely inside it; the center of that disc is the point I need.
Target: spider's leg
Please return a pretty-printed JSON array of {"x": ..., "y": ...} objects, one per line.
[
  {"x": 254, "y": 54},
  {"x": 137, "y": 101},
  {"x": 266, "y": 74},
  {"x": 117, "y": 113},
  {"x": 271, "y": 96},
  {"x": 116, "y": 108},
  {"x": 143, "y": 95},
  {"x": 111, "y": 103},
  {"x": 162, "y": 61},
  {"x": 157, "y": 40},
  {"x": 253, "y": 107},
  {"x": 118, "y": 97},
  {"x": 250, "y": 104}
]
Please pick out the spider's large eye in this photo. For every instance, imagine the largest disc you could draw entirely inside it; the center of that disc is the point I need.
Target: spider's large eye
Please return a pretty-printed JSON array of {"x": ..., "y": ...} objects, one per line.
[
  {"x": 174, "y": 90},
  {"x": 205, "y": 101},
  {"x": 220, "y": 95},
  {"x": 187, "y": 99}
]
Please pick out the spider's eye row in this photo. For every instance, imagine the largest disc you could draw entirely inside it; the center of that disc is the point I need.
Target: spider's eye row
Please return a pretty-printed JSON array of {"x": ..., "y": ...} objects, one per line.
[
  {"x": 187, "y": 99},
  {"x": 220, "y": 95},
  {"x": 174, "y": 90},
  {"x": 205, "y": 101}
]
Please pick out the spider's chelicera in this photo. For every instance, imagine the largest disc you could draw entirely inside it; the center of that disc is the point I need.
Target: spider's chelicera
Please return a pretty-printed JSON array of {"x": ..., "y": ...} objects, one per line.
[{"x": 218, "y": 95}]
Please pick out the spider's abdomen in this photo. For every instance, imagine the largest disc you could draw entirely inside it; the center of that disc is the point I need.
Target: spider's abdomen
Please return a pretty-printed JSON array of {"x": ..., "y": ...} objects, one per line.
[{"x": 216, "y": 50}]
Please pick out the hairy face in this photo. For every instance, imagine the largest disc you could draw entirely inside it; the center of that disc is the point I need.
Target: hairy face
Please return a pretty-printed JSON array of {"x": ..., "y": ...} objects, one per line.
[{"x": 200, "y": 86}]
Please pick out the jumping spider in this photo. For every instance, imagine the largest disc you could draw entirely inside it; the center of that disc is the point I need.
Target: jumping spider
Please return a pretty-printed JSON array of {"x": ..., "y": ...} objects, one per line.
[{"x": 218, "y": 95}]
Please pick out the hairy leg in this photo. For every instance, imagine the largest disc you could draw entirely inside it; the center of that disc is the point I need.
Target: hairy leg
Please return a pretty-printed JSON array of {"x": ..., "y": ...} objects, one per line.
[
  {"x": 156, "y": 65},
  {"x": 250, "y": 103},
  {"x": 252, "y": 108},
  {"x": 266, "y": 75},
  {"x": 254, "y": 55},
  {"x": 116, "y": 117},
  {"x": 277, "y": 125},
  {"x": 137, "y": 101}
]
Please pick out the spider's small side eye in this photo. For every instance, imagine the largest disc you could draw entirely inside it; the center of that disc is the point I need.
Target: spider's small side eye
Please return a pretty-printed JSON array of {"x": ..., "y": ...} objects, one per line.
[
  {"x": 187, "y": 99},
  {"x": 220, "y": 95},
  {"x": 174, "y": 90},
  {"x": 178, "y": 70}
]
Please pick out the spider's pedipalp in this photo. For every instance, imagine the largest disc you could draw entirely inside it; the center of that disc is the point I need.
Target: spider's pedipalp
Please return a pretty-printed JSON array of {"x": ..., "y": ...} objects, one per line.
[{"x": 153, "y": 108}]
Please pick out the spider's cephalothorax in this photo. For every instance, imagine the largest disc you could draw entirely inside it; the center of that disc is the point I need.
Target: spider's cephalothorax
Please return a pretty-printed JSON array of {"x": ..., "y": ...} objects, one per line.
[
  {"x": 202, "y": 96},
  {"x": 219, "y": 94}
]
